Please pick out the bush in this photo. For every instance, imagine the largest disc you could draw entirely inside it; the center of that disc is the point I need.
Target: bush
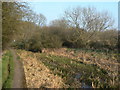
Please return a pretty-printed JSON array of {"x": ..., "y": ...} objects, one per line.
[
  {"x": 38, "y": 40},
  {"x": 96, "y": 44},
  {"x": 56, "y": 37},
  {"x": 50, "y": 40},
  {"x": 80, "y": 43}
]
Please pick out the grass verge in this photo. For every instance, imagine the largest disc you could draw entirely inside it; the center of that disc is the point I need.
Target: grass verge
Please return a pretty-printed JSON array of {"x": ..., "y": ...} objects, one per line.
[{"x": 7, "y": 70}]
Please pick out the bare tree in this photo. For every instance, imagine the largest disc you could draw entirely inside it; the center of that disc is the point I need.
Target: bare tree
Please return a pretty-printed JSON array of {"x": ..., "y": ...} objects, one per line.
[
  {"x": 95, "y": 21},
  {"x": 73, "y": 17},
  {"x": 29, "y": 15},
  {"x": 89, "y": 20},
  {"x": 59, "y": 23},
  {"x": 40, "y": 19}
]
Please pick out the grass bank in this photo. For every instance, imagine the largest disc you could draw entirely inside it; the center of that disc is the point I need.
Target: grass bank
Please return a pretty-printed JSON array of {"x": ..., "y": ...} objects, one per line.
[{"x": 7, "y": 70}]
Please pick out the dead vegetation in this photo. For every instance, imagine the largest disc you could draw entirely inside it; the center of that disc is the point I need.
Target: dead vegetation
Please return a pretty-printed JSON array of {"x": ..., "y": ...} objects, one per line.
[
  {"x": 108, "y": 62},
  {"x": 37, "y": 74},
  {"x": 58, "y": 68}
]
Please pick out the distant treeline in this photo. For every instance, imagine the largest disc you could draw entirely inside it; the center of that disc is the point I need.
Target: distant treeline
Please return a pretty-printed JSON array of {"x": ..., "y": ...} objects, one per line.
[
  {"x": 56, "y": 37},
  {"x": 78, "y": 28}
]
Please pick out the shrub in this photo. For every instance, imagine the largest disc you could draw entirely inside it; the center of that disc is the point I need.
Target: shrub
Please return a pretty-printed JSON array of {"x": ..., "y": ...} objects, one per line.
[{"x": 50, "y": 40}]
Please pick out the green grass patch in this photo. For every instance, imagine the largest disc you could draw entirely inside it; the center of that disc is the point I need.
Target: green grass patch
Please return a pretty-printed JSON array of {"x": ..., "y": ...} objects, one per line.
[{"x": 7, "y": 70}]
